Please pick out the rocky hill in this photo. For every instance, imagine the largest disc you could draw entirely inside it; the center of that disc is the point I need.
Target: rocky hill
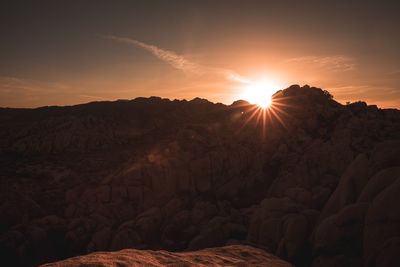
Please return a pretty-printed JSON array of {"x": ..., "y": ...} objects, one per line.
[{"x": 313, "y": 181}]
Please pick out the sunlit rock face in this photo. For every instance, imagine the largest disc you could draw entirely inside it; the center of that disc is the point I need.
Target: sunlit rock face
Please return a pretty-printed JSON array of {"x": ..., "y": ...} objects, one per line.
[
  {"x": 309, "y": 179},
  {"x": 236, "y": 255}
]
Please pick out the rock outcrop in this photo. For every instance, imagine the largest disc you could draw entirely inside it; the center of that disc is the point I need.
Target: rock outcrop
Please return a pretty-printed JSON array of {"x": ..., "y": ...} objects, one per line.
[
  {"x": 313, "y": 181},
  {"x": 224, "y": 256}
]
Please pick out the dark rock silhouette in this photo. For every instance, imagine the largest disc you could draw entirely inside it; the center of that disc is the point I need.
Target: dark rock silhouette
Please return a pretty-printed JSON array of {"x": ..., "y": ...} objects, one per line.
[{"x": 316, "y": 183}]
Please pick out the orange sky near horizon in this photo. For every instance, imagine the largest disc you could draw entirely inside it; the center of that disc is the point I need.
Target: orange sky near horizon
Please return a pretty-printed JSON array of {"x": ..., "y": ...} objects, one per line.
[{"x": 67, "y": 54}]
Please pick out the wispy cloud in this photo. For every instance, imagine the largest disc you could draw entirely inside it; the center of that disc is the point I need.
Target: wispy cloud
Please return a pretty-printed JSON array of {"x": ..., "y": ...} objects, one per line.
[
  {"x": 383, "y": 96},
  {"x": 334, "y": 63},
  {"x": 10, "y": 84},
  {"x": 394, "y": 72},
  {"x": 349, "y": 89},
  {"x": 27, "y": 92},
  {"x": 180, "y": 62},
  {"x": 93, "y": 97},
  {"x": 170, "y": 57},
  {"x": 22, "y": 92},
  {"x": 346, "y": 89}
]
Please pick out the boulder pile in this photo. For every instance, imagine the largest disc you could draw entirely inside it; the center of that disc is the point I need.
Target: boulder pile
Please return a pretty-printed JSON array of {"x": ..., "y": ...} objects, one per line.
[{"x": 312, "y": 181}]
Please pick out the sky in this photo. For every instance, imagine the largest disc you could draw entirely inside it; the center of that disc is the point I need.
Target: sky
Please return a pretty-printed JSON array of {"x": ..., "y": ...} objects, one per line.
[{"x": 69, "y": 52}]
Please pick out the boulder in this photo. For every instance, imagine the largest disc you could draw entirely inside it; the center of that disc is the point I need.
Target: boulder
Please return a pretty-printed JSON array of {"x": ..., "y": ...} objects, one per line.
[
  {"x": 341, "y": 233},
  {"x": 235, "y": 255},
  {"x": 387, "y": 254},
  {"x": 212, "y": 234},
  {"x": 350, "y": 185},
  {"x": 126, "y": 237},
  {"x": 178, "y": 231},
  {"x": 382, "y": 222},
  {"x": 100, "y": 240},
  {"x": 299, "y": 195},
  {"x": 379, "y": 182},
  {"x": 268, "y": 224},
  {"x": 385, "y": 155},
  {"x": 295, "y": 233}
]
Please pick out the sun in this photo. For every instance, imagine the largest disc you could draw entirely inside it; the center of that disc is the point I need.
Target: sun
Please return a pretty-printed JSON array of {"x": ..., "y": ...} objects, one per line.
[
  {"x": 267, "y": 109},
  {"x": 259, "y": 92}
]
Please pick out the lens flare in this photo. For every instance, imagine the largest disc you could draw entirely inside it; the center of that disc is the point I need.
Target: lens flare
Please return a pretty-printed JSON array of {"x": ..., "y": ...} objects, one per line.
[{"x": 259, "y": 92}]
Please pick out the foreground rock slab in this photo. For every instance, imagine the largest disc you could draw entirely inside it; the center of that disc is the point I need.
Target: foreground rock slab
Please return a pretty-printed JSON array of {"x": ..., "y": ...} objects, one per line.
[{"x": 236, "y": 255}]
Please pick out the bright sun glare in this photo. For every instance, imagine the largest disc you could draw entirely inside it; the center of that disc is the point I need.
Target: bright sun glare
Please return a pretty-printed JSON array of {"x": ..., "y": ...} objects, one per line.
[{"x": 259, "y": 92}]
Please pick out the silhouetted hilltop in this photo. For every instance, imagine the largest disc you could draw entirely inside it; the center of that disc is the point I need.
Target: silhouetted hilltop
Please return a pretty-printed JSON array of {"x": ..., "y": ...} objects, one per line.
[{"x": 311, "y": 180}]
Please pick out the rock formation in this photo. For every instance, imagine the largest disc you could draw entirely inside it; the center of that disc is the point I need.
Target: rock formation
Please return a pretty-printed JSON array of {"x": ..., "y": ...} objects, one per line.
[
  {"x": 224, "y": 256},
  {"x": 313, "y": 181}
]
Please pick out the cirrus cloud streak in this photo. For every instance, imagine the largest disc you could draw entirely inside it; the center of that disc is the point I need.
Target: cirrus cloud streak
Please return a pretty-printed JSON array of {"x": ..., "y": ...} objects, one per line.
[{"x": 179, "y": 61}]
